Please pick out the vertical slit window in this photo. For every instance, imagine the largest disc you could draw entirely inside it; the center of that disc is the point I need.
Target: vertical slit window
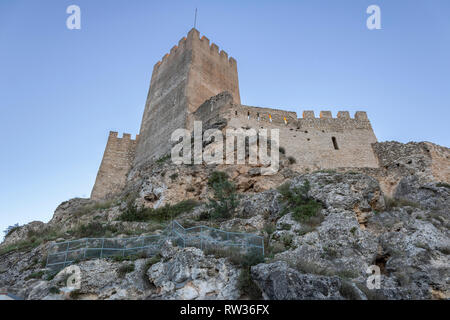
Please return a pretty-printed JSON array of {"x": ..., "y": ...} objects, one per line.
[{"x": 335, "y": 144}]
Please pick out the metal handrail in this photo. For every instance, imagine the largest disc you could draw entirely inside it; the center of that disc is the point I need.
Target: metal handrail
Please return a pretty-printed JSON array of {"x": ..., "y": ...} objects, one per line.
[{"x": 168, "y": 233}]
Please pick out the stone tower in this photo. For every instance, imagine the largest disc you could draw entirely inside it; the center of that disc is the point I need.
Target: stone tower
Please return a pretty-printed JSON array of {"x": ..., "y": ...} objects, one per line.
[{"x": 191, "y": 73}]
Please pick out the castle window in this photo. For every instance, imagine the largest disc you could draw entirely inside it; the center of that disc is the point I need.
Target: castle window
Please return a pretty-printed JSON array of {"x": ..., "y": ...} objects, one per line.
[
  {"x": 235, "y": 112},
  {"x": 336, "y": 147}
]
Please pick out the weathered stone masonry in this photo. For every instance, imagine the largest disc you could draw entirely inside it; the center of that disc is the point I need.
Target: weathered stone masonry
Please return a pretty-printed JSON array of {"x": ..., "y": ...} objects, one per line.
[
  {"x": 193, "y": 72},
  {"x": 116, "y": 163}
]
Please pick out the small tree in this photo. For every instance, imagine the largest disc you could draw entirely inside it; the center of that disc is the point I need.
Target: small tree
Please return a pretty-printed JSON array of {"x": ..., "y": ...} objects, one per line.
[
  {"x": 224, "y": 199},
  {"x": 11, "y": 229},
  {"x": 297, "y": 200}
]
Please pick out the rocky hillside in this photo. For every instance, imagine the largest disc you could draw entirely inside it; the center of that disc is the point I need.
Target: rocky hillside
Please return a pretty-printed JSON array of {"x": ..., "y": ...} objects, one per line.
[{"x": 322, "y": 231}]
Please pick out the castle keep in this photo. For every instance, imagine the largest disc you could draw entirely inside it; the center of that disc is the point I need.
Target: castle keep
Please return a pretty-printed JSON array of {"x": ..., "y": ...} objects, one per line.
[{"x": 188, "y": 84}]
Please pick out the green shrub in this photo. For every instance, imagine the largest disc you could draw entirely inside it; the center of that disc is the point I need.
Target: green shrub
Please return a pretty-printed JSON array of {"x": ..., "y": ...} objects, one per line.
[
  {"x": 203, "y": 216},
  {"x": 391, "y": 203},
  {"x": 275, "y": 248},
  {"x": 224, "y": 200},
  {"x": 247, "y": 286},
  {"x": 173, "y": 177},
  {"x": 75, "y": 294},
  {"x": 374, "y": 294},
  {"x": 18, "y": 246},
  {"x": 269, "y": 228},
  {"x": 443, "y": 185},
  {"x": 286, "y": 239},
  {"x": 51, "y": 275},
  {"x": 286, "y": 226},
  {"x": 305, "y": 266},
  {"x": 124, "y": 269},
  {"x": 329, "y": 253},
  {"x": 35, "y": 275},
  {"x": 11, "y": 229},
  {"x": 91, "y": 207},
  {"x": 162, "y": 214},
  {"x": 245, "y": 262},
  {"x": 296, "y": 200},
  {"x": 235, "y": 256},
  {"x": 163, "y": 159},
  {"x": 32, "y": 240},
  {"x": 153, "y": 260},
  {"x": 94, "y": 230},
  {"x": 348, "y": 291},
  {"x": 54, "y": 290},
  {"x": 129, "y": 257}
]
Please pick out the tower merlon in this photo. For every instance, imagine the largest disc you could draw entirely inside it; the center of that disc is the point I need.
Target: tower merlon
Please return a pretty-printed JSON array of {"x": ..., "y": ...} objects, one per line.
[
  {"x": 214, "y": 48},
  {"x": 308, "y": 114},
  {"x": 173, "y": 50},
  {"x": 343, "y": 115},
  {"x": 205, "y": 42},
  {"x": 181, "y": 42},
  {"x": 325, "y": 114},
  {"x": 224, "y": 55},
  {"x": 361, "y": 115},
  {"x": 193, "y": 34}
]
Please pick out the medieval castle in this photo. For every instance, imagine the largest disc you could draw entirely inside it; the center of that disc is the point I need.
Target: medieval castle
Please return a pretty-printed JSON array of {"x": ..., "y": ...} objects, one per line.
[{"x": 185, "y": 86}]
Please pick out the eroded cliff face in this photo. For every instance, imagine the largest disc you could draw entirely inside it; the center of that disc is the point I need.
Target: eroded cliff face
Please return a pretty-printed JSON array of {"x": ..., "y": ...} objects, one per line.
[
  {"x": 424, "y": 160},
  {"x": 395, "y": 217}
]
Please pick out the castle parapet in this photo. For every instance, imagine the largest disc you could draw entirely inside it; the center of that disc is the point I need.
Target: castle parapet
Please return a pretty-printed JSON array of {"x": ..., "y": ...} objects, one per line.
[
  {"x": 326, "y": 121},
  {"x": 325, "y": 114},
  {"x": 343, "y": 115},
  {"x": 193, "y": 36}
]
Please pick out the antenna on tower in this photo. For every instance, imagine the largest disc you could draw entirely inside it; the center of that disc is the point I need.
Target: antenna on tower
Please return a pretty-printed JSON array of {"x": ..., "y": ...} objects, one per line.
[{"x": 195, "y": 19}]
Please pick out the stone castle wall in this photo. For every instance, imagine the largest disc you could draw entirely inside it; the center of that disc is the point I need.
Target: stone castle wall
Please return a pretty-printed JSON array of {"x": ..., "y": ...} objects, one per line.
[
  {"x": 189, "y": 83},
  {"x": 116, "y": 163},
  {"x": 315, "y": 143},
  {"x": 193, "y": 72}
]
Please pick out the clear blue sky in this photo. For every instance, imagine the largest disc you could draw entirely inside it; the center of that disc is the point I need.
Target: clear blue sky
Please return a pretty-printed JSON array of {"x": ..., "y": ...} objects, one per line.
[{"x": 61, "y": 90}]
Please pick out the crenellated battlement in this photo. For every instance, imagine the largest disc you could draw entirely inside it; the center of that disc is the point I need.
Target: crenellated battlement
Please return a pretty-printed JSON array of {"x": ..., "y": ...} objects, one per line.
[
  {"x": 125, "y": 136},
  {"x": 193, "y": 38},
  {"x": 289, "y": 118}
]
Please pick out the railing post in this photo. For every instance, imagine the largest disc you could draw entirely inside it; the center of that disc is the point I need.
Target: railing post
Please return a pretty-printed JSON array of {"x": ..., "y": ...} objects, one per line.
[
  {"x": 101, "y": 251},
  {"x": 262, "y": 243},
  {"x": 65, "y": 255},
  {"x": 201, "y": 237},
  {"x": 85, "y": 248},
  {"x": 48, "y": 254}
]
